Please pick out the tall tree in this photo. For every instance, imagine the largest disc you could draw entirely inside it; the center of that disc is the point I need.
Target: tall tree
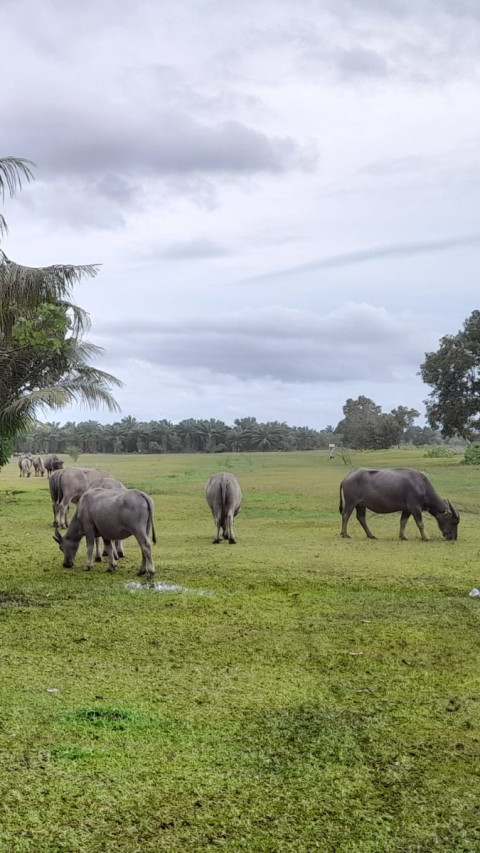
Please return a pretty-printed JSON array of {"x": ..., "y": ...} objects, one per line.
[
  {"x": 453, "y": 372},
  {"x": 44, "y": 361}
]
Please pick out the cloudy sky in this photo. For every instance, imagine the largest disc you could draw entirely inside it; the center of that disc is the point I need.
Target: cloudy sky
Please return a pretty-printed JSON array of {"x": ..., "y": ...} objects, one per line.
[{"x": 284, "y": 195}]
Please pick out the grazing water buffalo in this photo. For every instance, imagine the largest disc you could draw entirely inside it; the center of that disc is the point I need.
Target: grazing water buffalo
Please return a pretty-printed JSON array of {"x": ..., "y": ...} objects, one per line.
[
  {"x": 108, "y": 483},
  {"x": 112, "y": 514},
  {"x": 52, "y": 463},
  {"x": 402, "y": 490},
  {"x": 224, "y": 497},
  {"x": 38, "y": 465},
  {"x": 67, "y": 485},
  {"x": 25, "y": 465}
]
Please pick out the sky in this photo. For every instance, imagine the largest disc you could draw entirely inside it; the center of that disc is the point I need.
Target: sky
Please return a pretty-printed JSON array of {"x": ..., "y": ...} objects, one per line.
[{"x": 283, "y": 196}]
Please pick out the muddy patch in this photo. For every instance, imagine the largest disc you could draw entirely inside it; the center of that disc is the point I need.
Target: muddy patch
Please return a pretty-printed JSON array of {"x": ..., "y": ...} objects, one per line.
[{"x": 18, "y": 599}]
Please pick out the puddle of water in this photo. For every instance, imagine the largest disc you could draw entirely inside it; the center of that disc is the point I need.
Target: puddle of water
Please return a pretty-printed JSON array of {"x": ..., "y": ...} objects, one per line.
[{"x": 161, "y": 586}]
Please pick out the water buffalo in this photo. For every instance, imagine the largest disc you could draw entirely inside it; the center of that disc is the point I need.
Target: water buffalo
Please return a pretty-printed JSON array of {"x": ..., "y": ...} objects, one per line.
[
  {"x": 224, "y": 497},
  {"x": 25, "y": 465},
  {"x": 112, "y": 514},
  {"x": 402, "y": 490},
  {"x": 52, "y": 463},
  {"x": 66, "y": 486},
  {"x": 38, "y": 465},
  {"x": 107, "y": 483}
]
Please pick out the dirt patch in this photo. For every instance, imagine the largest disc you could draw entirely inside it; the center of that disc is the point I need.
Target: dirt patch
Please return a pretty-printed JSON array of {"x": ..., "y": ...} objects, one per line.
[{"x": 18, "y": 599}]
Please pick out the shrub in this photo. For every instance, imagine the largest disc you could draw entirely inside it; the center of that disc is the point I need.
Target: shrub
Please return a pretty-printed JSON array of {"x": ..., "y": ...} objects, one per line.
[
  {"x": 439, "y": 450},
  {"x": 471, "y": 455},
  {"x": 73, "y": 451}
]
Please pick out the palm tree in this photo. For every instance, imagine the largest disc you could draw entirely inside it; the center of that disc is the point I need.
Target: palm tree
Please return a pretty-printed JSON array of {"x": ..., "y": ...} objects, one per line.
[{"x": 44, "y": 361}]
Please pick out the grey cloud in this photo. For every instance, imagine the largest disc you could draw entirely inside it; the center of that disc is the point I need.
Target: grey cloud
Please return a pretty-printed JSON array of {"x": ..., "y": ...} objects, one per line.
[
  {"x": 190, "y": 249},
  {"x": 84, "y": 143},
  {"x": 402, "y": 250},
  {"x": 356, "y": 342}
]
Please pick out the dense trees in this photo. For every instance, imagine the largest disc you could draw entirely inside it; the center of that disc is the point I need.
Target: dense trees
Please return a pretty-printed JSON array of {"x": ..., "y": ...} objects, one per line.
[
  {"x": 200, "y": 436},
  {"x": 453, "y": 372},
  {"x": 44, "y": 359},
  {"x": 365, "y": 427}
]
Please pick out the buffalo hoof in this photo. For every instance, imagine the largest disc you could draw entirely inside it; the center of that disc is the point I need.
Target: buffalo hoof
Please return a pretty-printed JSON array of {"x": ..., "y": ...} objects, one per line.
[
  {"x": 98, "y": 559},
  {"x": 142, "y": 571},
  {"x": 232, "y": 541},
  {"x": 110, "y": 569},
  {"x": 216, "y": 541}
]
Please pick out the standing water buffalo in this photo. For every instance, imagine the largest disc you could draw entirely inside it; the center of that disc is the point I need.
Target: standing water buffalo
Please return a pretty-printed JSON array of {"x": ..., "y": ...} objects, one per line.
[
  {"x": 402, "y": 490},
  {"x": 38, "y": 465},
  {"x": 224, "y": 497},
  {"x": 25, "y": 465},
  {"x": 112, "y": 514},
  {"x": 67, "y": 485},
  {"x": 52, "y": 463}
]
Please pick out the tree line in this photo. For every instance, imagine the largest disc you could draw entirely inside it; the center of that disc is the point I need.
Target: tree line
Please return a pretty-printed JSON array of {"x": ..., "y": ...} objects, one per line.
[{"x": 363, "y": 427}]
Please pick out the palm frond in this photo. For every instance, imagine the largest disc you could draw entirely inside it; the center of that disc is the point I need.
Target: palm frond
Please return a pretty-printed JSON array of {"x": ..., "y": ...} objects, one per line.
[
  {"x": 31, "y": 285},
  {"x": 12, "y": 171}
]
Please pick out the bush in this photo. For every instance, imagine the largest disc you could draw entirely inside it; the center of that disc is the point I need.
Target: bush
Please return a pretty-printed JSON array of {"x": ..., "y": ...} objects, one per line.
[
  {"x": 439, "y": 450},
  {"x": 471, "y": 455},
  {"x": 73, "y": 451}
]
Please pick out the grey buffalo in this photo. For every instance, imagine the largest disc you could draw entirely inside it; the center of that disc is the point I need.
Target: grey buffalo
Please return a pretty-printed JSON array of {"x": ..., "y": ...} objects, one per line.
[
  {"x": 113, "y": 515},
  {"x": 404, "y": 490},
  {"x": 52, "y": 463},
  {"x": 67, "y": 485},
  {"x": 107, "y": 483},
  {"x": 38, "y": 465},
  {"x": 25, "y": 465},
  {"x": 224, "y": 497}
]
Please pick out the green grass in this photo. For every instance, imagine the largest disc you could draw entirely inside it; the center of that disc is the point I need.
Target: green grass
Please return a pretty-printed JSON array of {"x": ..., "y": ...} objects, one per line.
[{"x": 322, "y": 694}]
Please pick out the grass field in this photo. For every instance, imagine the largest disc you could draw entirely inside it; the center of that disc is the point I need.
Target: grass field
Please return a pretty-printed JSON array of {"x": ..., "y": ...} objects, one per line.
[{"x": 302, "y": 692}]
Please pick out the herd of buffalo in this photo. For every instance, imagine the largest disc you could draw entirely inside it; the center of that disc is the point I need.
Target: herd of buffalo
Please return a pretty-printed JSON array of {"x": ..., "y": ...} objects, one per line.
[{"x": 108, "y": 511}]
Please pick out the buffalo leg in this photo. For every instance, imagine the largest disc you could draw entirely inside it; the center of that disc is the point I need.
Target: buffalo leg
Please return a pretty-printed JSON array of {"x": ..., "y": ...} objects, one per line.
[
  {"x": 361, "y": 518},
  {"x": 229, "y": 531},
  {"x": 419, "y": 522},
  {"x": 346, "y": 513},
  {"x": 147, "y": 562},
  {"x": 112, "y": 563},
  {"x": 218, "y": 525},
  {"x": 98, "y": 554},
  {"x": 403, "y": 521},
  {"x": 90, "y": 547}
]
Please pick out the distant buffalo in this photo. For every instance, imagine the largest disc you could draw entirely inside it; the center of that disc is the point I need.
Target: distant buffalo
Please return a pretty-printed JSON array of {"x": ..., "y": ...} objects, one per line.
[
  {"x": 25, "y": 465},
  {"x": 402, "y": 490},
  {"x": 224, "y": 497},
  {"x": 52, "y": 463},
  {"x": 38, "y": 465}
]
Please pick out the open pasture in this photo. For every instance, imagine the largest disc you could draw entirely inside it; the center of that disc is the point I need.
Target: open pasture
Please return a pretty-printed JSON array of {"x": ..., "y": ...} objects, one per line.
[{"x": 302, "y": 692}]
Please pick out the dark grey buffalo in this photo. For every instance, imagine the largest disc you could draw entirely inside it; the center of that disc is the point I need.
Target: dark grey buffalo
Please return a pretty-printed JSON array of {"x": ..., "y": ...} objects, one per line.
[
  {"x": 402, "y": 490},
  {"x": 113, "y": 515},
  {"x": 52, "y": 463},
  {"x": 67, "y": 485},
  {"x": 224, "y": 497}
]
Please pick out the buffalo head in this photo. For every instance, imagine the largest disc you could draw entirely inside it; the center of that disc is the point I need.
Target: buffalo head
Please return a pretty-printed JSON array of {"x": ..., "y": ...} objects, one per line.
[
  {"x": 448, "y": 521},
  {"x": 67, "y": 550}
]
